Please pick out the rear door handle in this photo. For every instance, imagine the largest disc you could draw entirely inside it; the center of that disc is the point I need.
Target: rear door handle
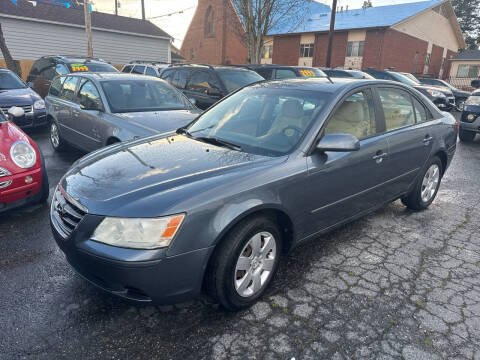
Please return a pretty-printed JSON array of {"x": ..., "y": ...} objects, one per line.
[{"x": 428, "y": 139}]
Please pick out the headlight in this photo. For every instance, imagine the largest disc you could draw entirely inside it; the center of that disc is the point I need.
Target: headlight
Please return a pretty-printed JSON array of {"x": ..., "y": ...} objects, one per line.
[
  {"x": 23, "y": 154},
  {"x": 436, "y": 93},
  {"x": 152, "y": 233},
  {"x": 39, "y": 105},
  {"x": 473, "y": 100}
]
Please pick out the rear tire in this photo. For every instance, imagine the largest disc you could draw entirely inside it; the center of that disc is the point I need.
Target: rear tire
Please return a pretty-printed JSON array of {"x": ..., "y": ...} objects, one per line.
[
  {"x": 466, "y": 136},
  {"x": 58, "y": 144},
  {"x": 255, "y": 245},
  {"x": 426, "y": 187}
]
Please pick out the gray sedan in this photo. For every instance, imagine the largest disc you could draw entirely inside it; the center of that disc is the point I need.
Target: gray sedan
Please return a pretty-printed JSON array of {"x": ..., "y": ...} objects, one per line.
[
  {"x": 92, "y": 110},
  {"x": 269, "y": 167}
]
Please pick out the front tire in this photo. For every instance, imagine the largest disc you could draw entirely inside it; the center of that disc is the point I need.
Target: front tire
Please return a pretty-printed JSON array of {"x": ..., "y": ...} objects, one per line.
[
  {"x": 245, "y": 263},
  {"x": 426, "y": 187},
  {"x": 466, "y": 136},
  {"x": 58, "y": 144}
]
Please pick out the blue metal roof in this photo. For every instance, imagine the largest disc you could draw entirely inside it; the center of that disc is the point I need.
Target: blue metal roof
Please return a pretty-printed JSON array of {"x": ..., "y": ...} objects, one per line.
[{"x": 377, "y": 16}]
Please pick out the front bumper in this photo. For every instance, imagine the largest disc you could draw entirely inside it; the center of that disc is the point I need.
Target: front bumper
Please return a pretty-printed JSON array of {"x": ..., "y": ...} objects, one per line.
[
  {"x": 138, "y": 275},
  {"x": 18, "y": 193},
  {"x": 467, "y": 125},
  {"x": 32, "y": 119}
]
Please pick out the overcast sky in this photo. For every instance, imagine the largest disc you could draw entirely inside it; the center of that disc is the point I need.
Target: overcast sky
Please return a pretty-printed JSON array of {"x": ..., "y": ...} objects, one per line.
[{"x": 177, "y": 24}]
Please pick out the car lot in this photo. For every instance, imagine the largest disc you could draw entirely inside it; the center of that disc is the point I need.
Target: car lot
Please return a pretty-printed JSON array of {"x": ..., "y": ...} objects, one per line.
[{"x": 396, "y": 283}]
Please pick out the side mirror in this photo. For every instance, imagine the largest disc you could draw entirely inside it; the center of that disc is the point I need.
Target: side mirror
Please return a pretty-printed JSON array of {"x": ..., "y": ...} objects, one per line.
[
  {"x": 16, "y": 111},
  {"x": 193, "y": 101},
  {"x": 338, "y": 143},
  {"x": 475, "y": 83},
  {"x": 30, "y": 84}
]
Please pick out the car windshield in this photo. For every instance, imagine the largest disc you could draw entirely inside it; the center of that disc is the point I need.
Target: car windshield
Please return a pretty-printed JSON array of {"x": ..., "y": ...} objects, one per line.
[
  {"x": 404, "y": 79},
  {"x": 235, "y": 79},
  {"x": 10, "y": 81},
  {"x": 143, "y": 95},
  {"x": 92, "y": 67},
  {"x": 360, "y": 75},
  {"x": 261, "y": 120}
]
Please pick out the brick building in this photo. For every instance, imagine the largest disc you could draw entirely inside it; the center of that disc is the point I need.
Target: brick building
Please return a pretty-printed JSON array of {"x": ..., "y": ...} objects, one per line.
[{"x": 414, "y": 37}]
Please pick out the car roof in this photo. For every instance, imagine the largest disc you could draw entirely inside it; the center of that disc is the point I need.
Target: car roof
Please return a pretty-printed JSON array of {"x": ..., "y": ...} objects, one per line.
[
  {"x": 73, "y": 59},
  {"x": 322, "y": 84},
  {"x": 205, "y": 66},
  {"x": 109, "y": 76}
]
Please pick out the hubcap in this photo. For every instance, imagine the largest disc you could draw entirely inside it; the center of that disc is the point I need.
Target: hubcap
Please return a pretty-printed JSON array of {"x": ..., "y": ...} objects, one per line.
[
  {"x": 430, "y": 183},
  {"x": 54, "y": 135},
  {"x": 255, "y": 264}
]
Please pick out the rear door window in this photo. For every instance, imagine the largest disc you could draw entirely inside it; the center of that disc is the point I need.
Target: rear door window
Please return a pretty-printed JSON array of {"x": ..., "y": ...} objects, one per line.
[
  {"x": 150, "y": 71},
  {"x": 420, "y": 111},
  {"x": 285, "y": 74},
  {"x": 167, "y": 75},
  {"x": 88, "y": 95},
  {"x": 201, "y": 81},
  {"x": 56, "y": 87},
  {"x": 69, "y": 87},
  {"x": 180, "y": 78},
  {"x": 397, "y": 107},
  {"x": 138, "y": 69}
]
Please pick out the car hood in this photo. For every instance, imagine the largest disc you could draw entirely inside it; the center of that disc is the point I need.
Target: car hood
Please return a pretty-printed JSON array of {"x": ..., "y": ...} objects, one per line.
[
  {"x": 442, "y": 89},
  {"x": 160, "y": 121},
  {"x": 18, "y": 97},
  {"x": 112, "y": 180}
]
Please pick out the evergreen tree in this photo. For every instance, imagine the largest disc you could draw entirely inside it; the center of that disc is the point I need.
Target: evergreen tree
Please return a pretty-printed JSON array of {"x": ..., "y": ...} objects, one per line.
[{"x": 468, "y": 14}]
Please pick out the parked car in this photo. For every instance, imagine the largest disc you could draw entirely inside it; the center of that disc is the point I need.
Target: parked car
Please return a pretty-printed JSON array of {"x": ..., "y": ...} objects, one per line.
[
  {"x": 281, "y": 72},
  {"x": 46, "y": 68},
  {"x": 14, "y": 92},
  {"x": 23, "y": 179},
  {"x": 150, "y": 68},
  {"x": 90, "y": 111},
  {"x": 470, "y": 120},
  {"x": 442, "y": 97},
  {"x": 269, "y": 167},
  {"x": 344, "y": 73},
  {"x": 207, "y": 84},
  {"x": 460, "y": 95}
]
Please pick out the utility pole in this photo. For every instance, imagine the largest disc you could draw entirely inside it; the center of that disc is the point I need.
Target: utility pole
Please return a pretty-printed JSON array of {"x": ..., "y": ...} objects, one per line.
[
  {"x": 330, "y": 34},
  {"x": 143, "y": 9},
  {"x": 116, "y": 7},
  {"x": 88, "y": 27}
]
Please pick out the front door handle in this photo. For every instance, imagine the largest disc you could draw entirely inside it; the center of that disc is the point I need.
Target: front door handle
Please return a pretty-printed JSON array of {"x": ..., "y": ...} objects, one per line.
[{"x": 380, "y": 156}]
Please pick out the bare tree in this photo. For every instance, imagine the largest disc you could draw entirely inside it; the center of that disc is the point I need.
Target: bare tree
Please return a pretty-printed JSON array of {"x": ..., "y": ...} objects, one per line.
[
  {"x": 11, "y": 64},
  {"x": 259, "y": 17}
]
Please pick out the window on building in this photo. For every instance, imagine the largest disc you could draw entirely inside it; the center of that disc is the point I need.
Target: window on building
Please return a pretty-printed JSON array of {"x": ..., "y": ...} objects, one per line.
[
  {"x": 209, "y": 22},
  {"x": 468, "y": 71},
  {"x": 442, "y": 65},
  {"x": 267, "y": 51},
  {"x": 428, "y": 59},
  {"x": 192, "y": 53},
  {"x": 355, "y": 48},
  {"x": 306, "y": 50}
]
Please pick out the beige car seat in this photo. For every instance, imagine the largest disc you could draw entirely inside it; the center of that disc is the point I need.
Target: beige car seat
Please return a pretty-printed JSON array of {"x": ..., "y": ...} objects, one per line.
[
  {"x": 291, "y": 115},
  {"x": 351, "y": 118}
]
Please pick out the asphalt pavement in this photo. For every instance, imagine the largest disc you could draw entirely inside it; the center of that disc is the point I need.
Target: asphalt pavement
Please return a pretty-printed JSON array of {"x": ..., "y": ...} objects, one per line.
[{"x": 394, "y": 285}]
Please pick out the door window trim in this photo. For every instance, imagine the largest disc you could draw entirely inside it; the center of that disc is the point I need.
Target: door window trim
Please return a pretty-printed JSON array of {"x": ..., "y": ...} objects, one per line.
[{"x": 363, "y": 88}]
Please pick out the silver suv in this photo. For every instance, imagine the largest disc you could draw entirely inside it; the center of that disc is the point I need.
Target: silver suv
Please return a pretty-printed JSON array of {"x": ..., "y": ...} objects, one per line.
[
  {"x": 90, "y": 111},
  {"x": 151, "y": 68}
]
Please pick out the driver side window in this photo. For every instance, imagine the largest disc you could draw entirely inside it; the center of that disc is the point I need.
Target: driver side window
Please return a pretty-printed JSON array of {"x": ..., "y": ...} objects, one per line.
[{"x": 355, "y": 116}]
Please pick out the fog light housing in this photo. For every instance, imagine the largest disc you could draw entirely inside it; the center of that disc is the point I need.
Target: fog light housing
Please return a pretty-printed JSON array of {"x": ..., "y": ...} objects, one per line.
[{"x": 28, "y": 179}]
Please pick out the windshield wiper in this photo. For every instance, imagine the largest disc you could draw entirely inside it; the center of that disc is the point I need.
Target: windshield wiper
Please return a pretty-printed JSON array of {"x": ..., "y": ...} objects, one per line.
[
  {"x": 219, "y": 142},
  {"x": 184, "y": 131}
]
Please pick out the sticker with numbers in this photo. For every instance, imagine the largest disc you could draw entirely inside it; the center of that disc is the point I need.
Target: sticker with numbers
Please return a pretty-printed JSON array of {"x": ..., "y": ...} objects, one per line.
[
  {"x": 79, "y": 67},
  {"x": 307, "y": 73}
]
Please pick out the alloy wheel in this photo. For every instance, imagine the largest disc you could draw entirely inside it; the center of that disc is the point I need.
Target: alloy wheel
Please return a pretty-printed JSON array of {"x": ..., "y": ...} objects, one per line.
[
  {"x": 54, "y": 135},
  {"x": 430, "y": 183},
  {"x": 255, "y": 264}
]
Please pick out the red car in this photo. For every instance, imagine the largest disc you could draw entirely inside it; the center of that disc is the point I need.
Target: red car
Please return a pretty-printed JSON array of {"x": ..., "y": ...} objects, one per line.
[{"x": 23, "y": 179}]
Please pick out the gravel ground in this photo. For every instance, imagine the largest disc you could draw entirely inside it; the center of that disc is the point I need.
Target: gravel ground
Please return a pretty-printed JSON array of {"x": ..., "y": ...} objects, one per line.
[{"x": 396, "y": 284}]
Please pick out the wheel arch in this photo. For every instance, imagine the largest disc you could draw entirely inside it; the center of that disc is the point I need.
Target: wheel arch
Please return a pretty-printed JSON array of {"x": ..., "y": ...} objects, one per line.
[{"x": 442, "y": 155}]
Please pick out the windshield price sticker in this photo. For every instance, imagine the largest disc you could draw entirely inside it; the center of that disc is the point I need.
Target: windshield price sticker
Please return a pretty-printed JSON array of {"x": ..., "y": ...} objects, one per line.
[
  {"x": 307, "y": 73},
  {"x": 79, "y": 67}
]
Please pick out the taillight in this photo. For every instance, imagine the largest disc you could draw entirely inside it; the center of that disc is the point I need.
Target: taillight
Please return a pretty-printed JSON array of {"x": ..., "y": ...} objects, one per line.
[{"x": 457, "y": 126}]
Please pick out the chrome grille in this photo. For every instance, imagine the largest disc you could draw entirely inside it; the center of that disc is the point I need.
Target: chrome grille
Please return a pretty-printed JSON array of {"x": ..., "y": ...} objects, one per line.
[
  {"x": 26, "y": 108},
  {"x": 4, "y": 184},
  {"x": 4, "y": 172},
  {"x": 66, "y": 214}
]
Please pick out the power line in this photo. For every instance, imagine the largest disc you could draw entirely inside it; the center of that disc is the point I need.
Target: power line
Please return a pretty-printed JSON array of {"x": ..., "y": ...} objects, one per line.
[{"x": 173, "y": 13}]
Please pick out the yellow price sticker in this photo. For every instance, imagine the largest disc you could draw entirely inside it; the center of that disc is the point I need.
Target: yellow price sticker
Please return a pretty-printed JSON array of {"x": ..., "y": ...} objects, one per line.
[
  {"x": 307, "y": 73},
  {"x": 79, "y": 68}
]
